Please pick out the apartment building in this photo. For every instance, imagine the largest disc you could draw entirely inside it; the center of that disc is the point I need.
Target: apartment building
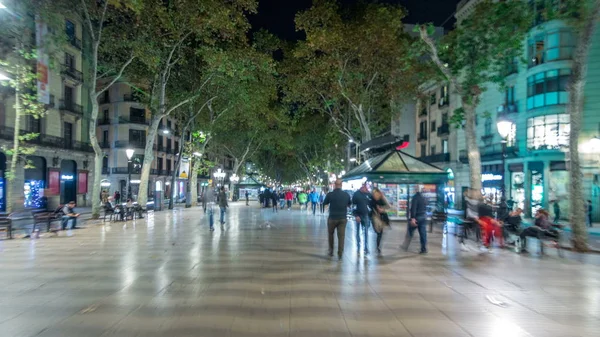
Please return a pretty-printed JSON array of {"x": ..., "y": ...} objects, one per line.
[
  {"x": 60, "y": 168},
  {"x": 123, "y": 124}
]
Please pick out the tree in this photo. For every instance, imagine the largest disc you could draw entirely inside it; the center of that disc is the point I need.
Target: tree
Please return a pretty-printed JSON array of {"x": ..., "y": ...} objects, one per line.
[
  {"x": 174, "y": 30},
  {"x": 473, "y": 56},
  {"x": 354, "y": 66}
]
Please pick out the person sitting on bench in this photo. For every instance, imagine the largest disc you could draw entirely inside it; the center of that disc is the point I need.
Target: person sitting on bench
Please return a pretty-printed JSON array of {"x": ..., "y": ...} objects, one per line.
[
  {"x": 69, "y": 215},
  {"x": 512, "y": 224},
  {"x": 542, "y": 227}
]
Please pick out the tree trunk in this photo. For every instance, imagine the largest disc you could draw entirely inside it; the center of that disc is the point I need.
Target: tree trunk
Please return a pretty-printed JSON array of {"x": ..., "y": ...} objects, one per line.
[
  {"x": 98, "y": 155},
  {"x": 15, "y": 148},
  {"x": 148, "y": 159},
  {"x": 177, "y": 166},
  {"x": 472, "y": 146},
  {"x": 195, "y": 166},
  {"x": 575, "y": 109},
  {"x": 364, "y": 125}
]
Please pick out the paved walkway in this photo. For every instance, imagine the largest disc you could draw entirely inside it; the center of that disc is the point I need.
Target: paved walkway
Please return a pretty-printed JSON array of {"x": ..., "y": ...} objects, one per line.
[{"x": 268, "y": 275}]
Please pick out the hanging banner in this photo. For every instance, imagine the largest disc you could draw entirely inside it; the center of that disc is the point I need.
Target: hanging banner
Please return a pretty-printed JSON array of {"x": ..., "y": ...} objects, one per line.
[{"x": 43, "y": 89}]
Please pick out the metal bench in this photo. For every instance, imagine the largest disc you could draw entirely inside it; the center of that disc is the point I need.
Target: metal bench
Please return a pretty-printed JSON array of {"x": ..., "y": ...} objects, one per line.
[{"x": 6, "y": 224}]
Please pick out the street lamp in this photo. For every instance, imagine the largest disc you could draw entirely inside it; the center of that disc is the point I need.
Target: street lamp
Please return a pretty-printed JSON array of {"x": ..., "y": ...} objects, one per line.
[
  {"x": 129, "y": 153},
  {"x": 505, "y": 127},
  {"x": 220, "y": 175}
]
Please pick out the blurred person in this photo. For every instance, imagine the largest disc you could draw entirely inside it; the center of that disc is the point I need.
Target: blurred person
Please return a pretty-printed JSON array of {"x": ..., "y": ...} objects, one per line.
[
  {"x": 314, "y": 200},
  {"x": 338, "y": 202},
  {"x": 223, "y": 205},
  {"x": 361, "y": 200},
  {"x": 69, "y": 215},
  {"x": 556, "y": 208},
  {"x": 289, "y": 196},
  {"x": 379, "y": 217},
  {"x": 303, "y": 200},
  {"x": 589, "y": 213},
  {"x": 247, "y": 195},
  {"x": 322, "y": 196},
  {"x": 418, "y": 221},
  {"x": 275, "y": 200},
  {"x": 489, "y": 225},
  {"x": 542, "y": 227}
]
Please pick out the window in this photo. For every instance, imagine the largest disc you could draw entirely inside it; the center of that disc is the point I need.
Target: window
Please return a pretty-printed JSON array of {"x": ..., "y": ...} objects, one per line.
[
  {"x": 423, "y": 130},
  {"x": 105, "y": 163},
  {"x": 137, "y": 115},
  {"x": 168, "y": 164},
  {"x": 168, "y": 144},
  {"x": 433, "y": 126},
  {"x": 159, "y": 163},
  {"x": 548, "y": 88},
  {"x": 137, "y": 137},
  {"x": 553, "y": 46},
  {"x": 444, "y": 118},
  {"x": 423, "y": 150},
  {"x": 176, "y": 146},
  {"x": 69, "y": 61},
  {"x": 444, "y": 98},
  {"x": 423, "y": 105},
  {"x": 432, "y": 150},
  {"x": 432, "y": 99},
  {"x": 68, "y": 133},
  {"x": 548, "y": 132},
  {"x": 488, "y": 127},
  {"x": 445, "y": 146},
  {"x": 169, "y": 125},
  {"x": 34, "y": 124},
  {"x": 105, "y": 137},
  {"x": 70, "y": 29},
  {"x": 105, "y": 97},
  {"x": 68, "y": 96},
  {"x": 105, "y": 116},
  {"x": 510, "y": 95}
]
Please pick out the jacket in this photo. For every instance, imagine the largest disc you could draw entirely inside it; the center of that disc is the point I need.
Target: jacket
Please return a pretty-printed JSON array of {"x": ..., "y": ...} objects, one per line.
[
  {"x": 361, "y": 201},
  {"x": 223, "y": 199},
  {"x": 302, "y": 198},
  {"x": 418, "y": 206},
  {"x": 338, "y": 202},
  {"x": 289, "y": 196},
  {"x": 314, "y": 197}
]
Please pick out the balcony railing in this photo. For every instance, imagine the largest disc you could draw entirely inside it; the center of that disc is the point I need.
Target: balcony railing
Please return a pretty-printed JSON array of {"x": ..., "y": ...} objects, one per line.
[
  {"x": 104, "y": 121},
  {"x": 72, "y": 73},
  {"x": 7, "y": 133},
  {"x": 160, "y": 148},
  {"x": 443, "y": 130},
  {"x": 133, "y": 144},
  {"x": 491, "y": 152},
  {"x": 75, "y": 42},
  {"x": 130, "y": 98},
  {"x": 125, "y": 170},
  {"x": 134, "y": 120},
  {"x": 437, "y": 158},
  {"x": 163, "y": 172},
  {"x": 422, "y": 137},
  {"x": 508, "y": 108},
  {"x": 70, "y": 107},
  {"x": 105, "y": 145}
]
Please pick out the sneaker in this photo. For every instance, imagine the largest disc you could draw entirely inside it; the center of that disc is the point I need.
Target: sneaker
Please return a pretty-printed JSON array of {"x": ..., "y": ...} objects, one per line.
[
  {"x": 330, "y": 253},
  {"x": 464, "y": 247},
  {"x": 404, "y": 247},
  {"x": 423, "y": 252},
  {"x": 378, "y": 251}
]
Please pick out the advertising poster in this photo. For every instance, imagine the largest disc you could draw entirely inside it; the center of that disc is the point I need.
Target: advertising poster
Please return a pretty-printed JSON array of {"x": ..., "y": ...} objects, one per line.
[{"x": 43, "y": 89}]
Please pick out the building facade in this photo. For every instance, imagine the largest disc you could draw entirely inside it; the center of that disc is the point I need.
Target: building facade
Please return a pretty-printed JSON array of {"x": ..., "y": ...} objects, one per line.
[
  {"x": 535, "y": 170},
  {"x": 59, "y": 170}
]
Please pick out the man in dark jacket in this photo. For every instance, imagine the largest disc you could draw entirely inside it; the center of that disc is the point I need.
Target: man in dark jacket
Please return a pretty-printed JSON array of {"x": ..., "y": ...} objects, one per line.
[
  {"x": 361, "y": 200},
  {"x": 338, "y": 202},
  {"x": 418, "y": 220},
  {"x": 223, "y": 205}
]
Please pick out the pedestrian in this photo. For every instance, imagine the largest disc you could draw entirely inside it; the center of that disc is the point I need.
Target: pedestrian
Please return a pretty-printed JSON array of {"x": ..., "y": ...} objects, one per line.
[
  {"x": 541, "y": 228},
  {"x": 223, "y": 205},
  {"x": 338, "y": 202},
  {"x": 208, "y": 201},
  {"x": 589, "y": 213},
  {"x": 303, "y": 200},
  {"x": 361, "y": 200},
  {"x": 314, "y": 200},
  {"x": 281, "y": 200},
  {"x": 488, "y": 226},
  {"x": 321, "y": 200},
  {"x": 289, "y": 196},
  {"x": 275, "y": 200},
  {"x": 379, "y": 216},
  {"x": 247, "y": 198},
  {"x": 104, "y": 196},
  {"x": 418, "y": 221},
  {"x": 556, "y": 207},
  {"x": 69, "y": 215},
  {"x": 117, "y": 197}
]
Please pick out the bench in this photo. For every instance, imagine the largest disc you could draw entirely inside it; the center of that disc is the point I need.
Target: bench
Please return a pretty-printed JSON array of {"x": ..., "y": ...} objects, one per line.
[
  {"x": 437, "y": 218},
  {"x": 550, "y": 239},
  {"x": 6, "y": 224},
  {"x": 43, "y": 217}
]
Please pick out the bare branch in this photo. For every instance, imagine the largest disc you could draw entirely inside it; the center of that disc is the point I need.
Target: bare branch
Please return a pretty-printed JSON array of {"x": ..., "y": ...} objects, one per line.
[
  {"x": 178, "y": 105},
  {"x": 101, "y": 23},
  {"x": 117, "y": 77},
  {"x": 88, "y": 20},
  {"x": 436, "y": 59}
]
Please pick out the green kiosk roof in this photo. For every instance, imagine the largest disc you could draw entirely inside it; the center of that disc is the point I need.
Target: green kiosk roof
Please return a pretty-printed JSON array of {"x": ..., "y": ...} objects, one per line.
[
  {"x": 397, "y": 166},
  {"x": 250, "y": 181}
]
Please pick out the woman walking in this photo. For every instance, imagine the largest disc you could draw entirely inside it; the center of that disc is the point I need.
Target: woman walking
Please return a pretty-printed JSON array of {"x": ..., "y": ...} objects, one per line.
[{"x": 379, "y": 217}]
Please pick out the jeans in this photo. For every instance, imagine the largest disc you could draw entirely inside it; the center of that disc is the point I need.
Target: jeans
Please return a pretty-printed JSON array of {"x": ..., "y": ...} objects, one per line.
[
  {"x": 211, "y": 219},
  {"x": 340, "y": 225},
  {"x": 289, "y": 204},
  {"x": 66, "y": 220},
  {"x": 364, "y": 223},
  {"x": 247, "y": 202},
  {"x": 379, "y": 237},
  {"x": 322, "y": 205},
  {"x": 275, "y": 206},
  {"x": 422, "y": 227},
  {"x": 223, "y": 209},
  {"x": 314, "y": 207}
]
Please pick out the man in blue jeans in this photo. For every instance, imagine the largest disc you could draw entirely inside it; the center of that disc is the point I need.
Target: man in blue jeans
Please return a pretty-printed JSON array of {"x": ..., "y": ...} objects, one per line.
[
  {"x": 69, "y": 215},
  {"x": 361, "y": 200},
  {"x": 418, "y": 220},
  {"x": 223, "y": 204}
]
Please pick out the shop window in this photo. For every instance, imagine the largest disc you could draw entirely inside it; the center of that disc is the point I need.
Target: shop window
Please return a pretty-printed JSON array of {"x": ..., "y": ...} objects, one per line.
[
  {"x": 69, "y": 61},
  {"x": 137, "y": 137},
  {"x": 548, "y": 88},
  {"x": 537, "y": 190},
  {"x": 550, "y": 132}
]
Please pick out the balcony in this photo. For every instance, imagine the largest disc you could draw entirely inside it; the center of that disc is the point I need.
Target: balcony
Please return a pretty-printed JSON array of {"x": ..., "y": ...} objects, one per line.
[
  {"x": 104, "y": 121},
  {"x": 163, "y": 172},
  {"x": 131, "y": 98},
  {"x": 492, "y": 152},
  {"x": 444, "y": 101},
  {"x": 75, "y": 42},
  {"x": 443, "y": 130},
  {"x": 71, "y": 108},
  {"x": 54, "y": 142},
  {"x": 130, "y": 144},
  {"x": 105, "y": 145},
  {"x": 125, "y": 170},
  {"x": 73, "y": 74},
  {"x": 508, "y": 108},
  {"x": 437, "y": 158},
  {"x": 134, "y": 120},
  {"x": 422, "y": 137}
]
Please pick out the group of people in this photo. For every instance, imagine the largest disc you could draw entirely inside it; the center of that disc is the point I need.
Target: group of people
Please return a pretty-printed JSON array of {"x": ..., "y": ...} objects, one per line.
[
  {"x": 370, "y": 207},
  {"x": 123, "y": 211},
  {"x": 507, "y": 221},
  {"x": 280, "y": 199},
  {"x": 104, "y": 196}
]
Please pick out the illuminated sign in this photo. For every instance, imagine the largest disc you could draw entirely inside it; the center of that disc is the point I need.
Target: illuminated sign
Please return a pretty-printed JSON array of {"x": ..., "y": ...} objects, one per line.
[
  {"x": 136, "y": 181},
  {"x": 105, "y": 183},
  {"x": 66, "y": 177},
  {"x": 490, "y": 177}
]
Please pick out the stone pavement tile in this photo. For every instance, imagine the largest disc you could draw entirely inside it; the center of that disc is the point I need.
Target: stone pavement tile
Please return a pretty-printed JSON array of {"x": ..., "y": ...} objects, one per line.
[
  {"x": 430, "y": 327},
  {"x": 318, "y": 326},
  {"x": 376, "y": 328}
]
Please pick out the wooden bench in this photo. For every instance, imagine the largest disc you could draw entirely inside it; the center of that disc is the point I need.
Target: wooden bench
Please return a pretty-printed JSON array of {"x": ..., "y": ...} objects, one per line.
[
  {"x": 6, "y": 224},
  {"x": 43, "y": 217}
]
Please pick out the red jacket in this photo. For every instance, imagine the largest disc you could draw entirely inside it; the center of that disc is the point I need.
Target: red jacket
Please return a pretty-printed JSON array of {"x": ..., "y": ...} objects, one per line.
[{"x": 289, "y": 196}]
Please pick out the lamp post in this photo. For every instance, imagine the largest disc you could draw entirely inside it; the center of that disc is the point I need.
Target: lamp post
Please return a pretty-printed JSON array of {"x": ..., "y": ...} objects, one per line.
[
  {"x": 220, "y": 175},
  {"x": 505, "y": 127},
  {"x": 234, "y": 180},
  {"x": 129, "y": 153}
]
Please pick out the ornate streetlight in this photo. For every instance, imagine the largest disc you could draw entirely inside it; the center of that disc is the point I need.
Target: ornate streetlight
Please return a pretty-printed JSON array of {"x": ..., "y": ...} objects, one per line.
[
  {"x": 505, "y": 128},
  {"x": 220, "y": 175},
  {"x": 129, "y": 153}
]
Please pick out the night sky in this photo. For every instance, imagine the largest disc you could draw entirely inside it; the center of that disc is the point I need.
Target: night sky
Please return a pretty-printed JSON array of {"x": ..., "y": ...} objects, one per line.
[{"x": 277, "y": 16}]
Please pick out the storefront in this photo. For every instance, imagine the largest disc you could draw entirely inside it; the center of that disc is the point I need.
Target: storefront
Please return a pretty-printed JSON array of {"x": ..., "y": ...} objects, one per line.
[
  {"x": 35, "y": 183},
  {"x": 68, "y": 181},
  {"x": 250, "y": 185},
  {"x": 399, "y": 176}
]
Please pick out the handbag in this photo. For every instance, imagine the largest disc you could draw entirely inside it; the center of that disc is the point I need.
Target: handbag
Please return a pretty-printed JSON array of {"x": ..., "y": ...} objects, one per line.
[{"x": 378, "y": 223}]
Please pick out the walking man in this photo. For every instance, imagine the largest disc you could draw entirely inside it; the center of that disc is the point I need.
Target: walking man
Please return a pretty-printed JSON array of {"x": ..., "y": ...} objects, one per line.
[
  {"x": 247, "y": 198},
  {"x": 418, "y": 220},
  {"x": 275, "y": 200},
  {"x": 314, "y": 200},
  {"x": 288, "y": 198},
  {"x": 338, "y": 202},
  {"x": 223, "y": 204},
  {"x": 361, "y": 200}
]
